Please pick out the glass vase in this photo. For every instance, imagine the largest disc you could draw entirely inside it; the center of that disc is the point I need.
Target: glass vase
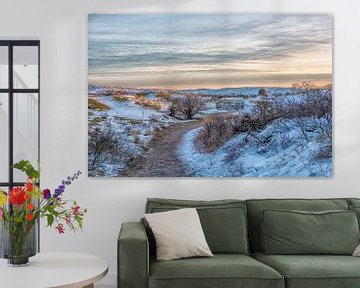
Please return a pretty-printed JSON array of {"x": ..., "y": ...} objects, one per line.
[{"x": 18, "y": 242}]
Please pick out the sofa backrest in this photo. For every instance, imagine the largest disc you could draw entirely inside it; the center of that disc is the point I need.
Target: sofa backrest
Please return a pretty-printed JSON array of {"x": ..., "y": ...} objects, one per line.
[
  {"x": 223, "y": 221},
  {"x": 353, "y": 202},
  {"x": 256, "y": 205}
]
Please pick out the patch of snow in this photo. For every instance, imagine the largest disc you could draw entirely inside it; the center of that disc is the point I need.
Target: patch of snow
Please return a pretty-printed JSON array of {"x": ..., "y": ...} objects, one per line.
[{"x": 285, "y": 154}]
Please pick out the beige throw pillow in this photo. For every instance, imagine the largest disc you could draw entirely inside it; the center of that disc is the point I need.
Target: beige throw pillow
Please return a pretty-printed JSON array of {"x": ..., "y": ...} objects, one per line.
[
  {"x": 357, "y": 251},
  {"x": 178, "y": 234}
]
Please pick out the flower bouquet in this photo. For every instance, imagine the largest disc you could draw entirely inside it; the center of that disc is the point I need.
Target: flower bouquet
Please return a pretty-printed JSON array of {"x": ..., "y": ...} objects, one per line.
[{"x": 21, "y": 208}]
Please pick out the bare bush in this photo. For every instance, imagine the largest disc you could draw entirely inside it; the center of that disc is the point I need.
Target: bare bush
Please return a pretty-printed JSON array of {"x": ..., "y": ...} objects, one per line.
[
  {"x": 106, "y": 145},
  {"x": 175, "y": 105},
  {"x": 101, "y": 142},
  {"x": 324, "y": 152},
  {"x": 191, "y": 105},
  {"x": 266, "y": 111},
  {"x": 247, "y": 123},
  {"x": 235, "y": 151},
  {"x": 215, "y": 132},
  {"x": 284, "y": 140},
  {"x": 263, "y": 92},
  {"x": 186, "y": 106}
]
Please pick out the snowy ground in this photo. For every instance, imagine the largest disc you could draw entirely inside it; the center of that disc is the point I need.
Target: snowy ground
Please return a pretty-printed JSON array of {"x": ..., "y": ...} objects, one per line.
[{"x": 285, "y": 154}]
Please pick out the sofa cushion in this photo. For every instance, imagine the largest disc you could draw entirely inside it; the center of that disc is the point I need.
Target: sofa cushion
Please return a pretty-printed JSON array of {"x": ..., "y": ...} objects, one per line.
[
  {"x": 356, "y": 209},
  {"x": 353, "y": 201},
  {"x": 313, "y": 271},
  {"x": 222, "y": 270},
  {"x": 223, "y": 221},
  {"x": 255, "y": 206},
  {"x": 178, "y": 234},
  {"x": 297, "y": 232}
]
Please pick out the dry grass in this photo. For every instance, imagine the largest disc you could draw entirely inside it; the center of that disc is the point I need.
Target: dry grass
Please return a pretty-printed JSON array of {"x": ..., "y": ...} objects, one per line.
[
  {"x": 164, "y": 95},
  {"x": 97, "y": 120},
  {"x": 97, "y": 105},
  {"x": 153, "y": 104},
  {"x": 120, "y": 98}
]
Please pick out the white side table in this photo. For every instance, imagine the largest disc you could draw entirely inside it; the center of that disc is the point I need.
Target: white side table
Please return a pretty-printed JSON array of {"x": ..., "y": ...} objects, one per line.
[{"x": 50, "y": 270}]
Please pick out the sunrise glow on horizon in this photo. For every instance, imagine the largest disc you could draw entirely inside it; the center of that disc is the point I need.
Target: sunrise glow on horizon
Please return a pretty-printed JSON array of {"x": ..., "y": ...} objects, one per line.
[{"x": 187, "y": 51}]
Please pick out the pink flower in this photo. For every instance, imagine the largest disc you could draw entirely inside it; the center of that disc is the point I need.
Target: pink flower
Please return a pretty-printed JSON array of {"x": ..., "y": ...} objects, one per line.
[
  {"x": 60, "y": 228},
  {"x": 1, "y": 214},
  {"x": 68, "y": 219}
]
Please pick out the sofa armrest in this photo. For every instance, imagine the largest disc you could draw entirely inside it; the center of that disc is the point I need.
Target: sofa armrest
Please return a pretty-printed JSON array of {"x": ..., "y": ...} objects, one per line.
[{"x": 133, "y": 256}]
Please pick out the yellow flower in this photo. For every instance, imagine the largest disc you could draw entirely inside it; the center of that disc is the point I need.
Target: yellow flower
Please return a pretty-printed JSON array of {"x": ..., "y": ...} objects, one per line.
[{"x": 3, "y": 198}]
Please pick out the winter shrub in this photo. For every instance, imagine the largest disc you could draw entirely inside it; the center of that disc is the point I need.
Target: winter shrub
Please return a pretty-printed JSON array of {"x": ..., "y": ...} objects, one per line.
[
  {"x": 190, "y": 105},
  {"x": 265, "y": 111},
  {"x": 107, "y": 145},
  {"x": 187, "y": 105},
  {"x": 235, "y": 151},
  {"x": 247, "y": 123},
  {"x": 175, "y": 106},
  {"x": 136, "y": 136},
  {"x": 102, "y": 141},
  {"x": 214, "y": 133},
  {"x": 324, "y": 152},
  {"x": 263, "y": 92}
]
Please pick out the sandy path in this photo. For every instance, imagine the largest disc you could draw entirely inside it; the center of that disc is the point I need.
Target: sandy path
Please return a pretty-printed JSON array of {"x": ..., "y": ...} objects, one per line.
[{"x": 161, "y": 159}]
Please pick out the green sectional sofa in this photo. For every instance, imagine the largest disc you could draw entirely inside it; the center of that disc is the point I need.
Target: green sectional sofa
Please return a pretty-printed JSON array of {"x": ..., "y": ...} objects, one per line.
[{"x": 236, "y": 234}]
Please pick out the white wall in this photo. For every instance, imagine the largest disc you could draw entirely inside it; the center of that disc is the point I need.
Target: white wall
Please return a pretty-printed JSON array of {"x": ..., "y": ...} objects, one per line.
[{"x": 61, "y": 25}]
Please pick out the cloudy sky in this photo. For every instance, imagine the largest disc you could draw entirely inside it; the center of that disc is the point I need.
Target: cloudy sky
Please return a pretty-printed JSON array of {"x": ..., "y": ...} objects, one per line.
[{"x": 209, "y": 50}]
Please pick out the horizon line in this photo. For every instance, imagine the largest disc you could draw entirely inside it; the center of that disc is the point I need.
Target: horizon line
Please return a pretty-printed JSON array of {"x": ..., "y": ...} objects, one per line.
[{"x": 317, "y": 84}]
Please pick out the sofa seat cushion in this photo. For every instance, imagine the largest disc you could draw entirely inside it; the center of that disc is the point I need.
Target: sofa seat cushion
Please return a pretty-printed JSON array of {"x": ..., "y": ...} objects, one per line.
[
  {"x": 313, "y": 271},
  {"x": 222, "y": 270}
]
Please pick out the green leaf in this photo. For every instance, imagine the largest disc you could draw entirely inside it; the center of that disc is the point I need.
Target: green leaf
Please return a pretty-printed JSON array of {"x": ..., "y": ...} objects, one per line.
[
  {"x": 52, "y": 211},
  {"x": 50, "y": 219},
  {"x": 26, "y": 167}
]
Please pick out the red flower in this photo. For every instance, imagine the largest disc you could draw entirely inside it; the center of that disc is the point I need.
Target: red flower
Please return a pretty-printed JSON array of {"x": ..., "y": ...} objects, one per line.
[
  {"x": 60, "y": 228},
  {"x": 29, "y": 206},
  {"x": 17, "y": 196},
  {"x": 29, "y": 217},
  {"x": 29, "y": 186},
  {"x": 27, "y": 196}
]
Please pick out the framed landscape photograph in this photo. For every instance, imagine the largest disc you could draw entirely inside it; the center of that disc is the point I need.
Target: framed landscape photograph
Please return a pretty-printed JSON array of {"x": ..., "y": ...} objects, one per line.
[{"x": 210, "y": 95}]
